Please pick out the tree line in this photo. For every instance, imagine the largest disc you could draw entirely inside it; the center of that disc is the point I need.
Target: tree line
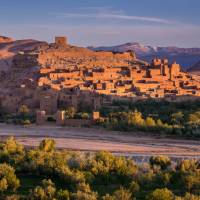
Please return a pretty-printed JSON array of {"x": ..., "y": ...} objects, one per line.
[
  {"x": 175, "y": 118},
  {"x": 45, "y": 173}
]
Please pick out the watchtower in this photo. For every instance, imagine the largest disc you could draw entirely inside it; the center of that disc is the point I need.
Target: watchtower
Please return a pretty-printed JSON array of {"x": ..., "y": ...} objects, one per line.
[
  {"x": 61, "y": 41},
  {"x": 174, "y": 70}
]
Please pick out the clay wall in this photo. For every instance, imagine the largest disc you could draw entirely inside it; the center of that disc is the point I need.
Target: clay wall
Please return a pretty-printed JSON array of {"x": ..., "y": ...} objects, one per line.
[{"x": 78, "y": 122}]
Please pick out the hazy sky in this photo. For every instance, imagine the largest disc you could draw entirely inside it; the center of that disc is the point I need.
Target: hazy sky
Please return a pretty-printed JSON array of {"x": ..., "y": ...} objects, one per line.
[{"x": 104, "y": 22}]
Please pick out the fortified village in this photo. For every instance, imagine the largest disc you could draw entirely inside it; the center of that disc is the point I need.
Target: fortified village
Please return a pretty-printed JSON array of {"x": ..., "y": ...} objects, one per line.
[{"x": 53, "y": 76}]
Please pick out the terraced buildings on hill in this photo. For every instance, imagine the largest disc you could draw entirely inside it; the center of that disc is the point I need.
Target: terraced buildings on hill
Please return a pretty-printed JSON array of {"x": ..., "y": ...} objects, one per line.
[{"x": 57, "y": 75}]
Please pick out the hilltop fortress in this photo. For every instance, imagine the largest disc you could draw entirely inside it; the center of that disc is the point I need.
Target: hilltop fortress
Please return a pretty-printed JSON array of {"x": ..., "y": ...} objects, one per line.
[{"x": 57, "y": 75}]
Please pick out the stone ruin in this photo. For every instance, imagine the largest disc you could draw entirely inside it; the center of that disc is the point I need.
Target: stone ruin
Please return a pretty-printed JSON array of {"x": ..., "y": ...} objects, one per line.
[{"x": 61, "y": 41}]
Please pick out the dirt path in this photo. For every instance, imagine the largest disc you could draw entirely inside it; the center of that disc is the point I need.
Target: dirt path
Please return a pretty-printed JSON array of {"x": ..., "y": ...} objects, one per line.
[{"x": 86, "y": 139}]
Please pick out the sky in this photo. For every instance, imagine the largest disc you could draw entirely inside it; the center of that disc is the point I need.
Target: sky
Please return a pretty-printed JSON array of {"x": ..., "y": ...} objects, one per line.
[{"x": 104, "y": 22}]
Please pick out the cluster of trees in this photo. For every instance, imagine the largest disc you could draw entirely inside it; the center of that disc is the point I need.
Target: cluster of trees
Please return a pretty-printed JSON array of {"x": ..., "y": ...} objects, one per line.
[
  {"x": 134, "y": 120},
  {"x": 63, "y": 175},
  {"x": 160, "y": 116},
  {"x": 71, "y": 113},
  {"x": 23, "y": 117},
  {"x": 178, "y": 118}
]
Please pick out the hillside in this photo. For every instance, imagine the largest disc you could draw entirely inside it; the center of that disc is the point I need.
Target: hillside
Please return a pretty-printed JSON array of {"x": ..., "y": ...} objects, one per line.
[
  {"x": 195, "y": 69},
  {"x": 185, "y": 56},
  {"x": 10, "y": 47},
  {"x": 4, "y": 39}
]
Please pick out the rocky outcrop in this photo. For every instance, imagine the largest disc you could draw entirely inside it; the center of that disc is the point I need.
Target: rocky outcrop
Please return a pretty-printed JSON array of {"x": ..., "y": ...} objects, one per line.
[
  {"x": 4, "y": 39},
  {"x": 10, "y": 48}
]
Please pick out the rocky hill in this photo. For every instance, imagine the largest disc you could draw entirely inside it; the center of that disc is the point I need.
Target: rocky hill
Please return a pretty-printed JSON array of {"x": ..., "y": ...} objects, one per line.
[
  {"x": 187, "y": 57},
  {"x": 4, "y": 39},
  {"x": 10, "y": 47},
  {"x": 195, "y": 69}
]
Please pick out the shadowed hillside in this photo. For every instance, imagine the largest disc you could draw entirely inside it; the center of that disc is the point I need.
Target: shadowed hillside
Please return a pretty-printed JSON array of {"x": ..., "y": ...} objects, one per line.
[{"x": 195, "y": 69}]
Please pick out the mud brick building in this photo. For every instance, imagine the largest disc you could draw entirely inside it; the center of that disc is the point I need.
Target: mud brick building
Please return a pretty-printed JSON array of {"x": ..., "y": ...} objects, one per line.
[{"x": 59, "y": 75}]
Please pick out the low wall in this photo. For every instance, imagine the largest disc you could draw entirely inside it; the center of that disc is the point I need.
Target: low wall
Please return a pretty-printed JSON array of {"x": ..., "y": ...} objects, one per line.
[{"x": 78, "y": 122}]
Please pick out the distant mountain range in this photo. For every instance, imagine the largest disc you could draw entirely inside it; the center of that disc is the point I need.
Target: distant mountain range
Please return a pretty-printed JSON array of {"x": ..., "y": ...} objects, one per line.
[
  {"x": 195, "y": 69},
  {"x": 187, "y": 57}
]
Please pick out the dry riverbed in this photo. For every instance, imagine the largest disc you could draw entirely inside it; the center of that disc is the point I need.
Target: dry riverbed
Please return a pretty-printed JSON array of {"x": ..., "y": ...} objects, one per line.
[{"x": 91, "y": 139}]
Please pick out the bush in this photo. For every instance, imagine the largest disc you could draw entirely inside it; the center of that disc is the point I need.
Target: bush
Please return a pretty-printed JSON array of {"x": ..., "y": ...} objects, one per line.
[
  {"x": 8, "y": 179},
  {"x": 162, "y": 161},
  {"x": 188, "y": 196},
  {"x": 63, "y": 195},
  {"x": 122, "y": 194},
  {"x": 47, "y": 145},
  {"x": 161, "y": 194},
  {"x": 150, "y": 122},
  {"x": 25, "y": 122},
  {"x": 70, "y": 112},
  {"x": 47, "y": 191},
  {"x": 84, "y": 193},
  {"x": 188, "y": 165},
  {"x": 134, "y": 187}
]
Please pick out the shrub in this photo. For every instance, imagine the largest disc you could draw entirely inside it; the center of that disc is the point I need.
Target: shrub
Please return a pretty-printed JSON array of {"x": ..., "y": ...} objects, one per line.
[
  {"x": 47, "y": 145},
  {"x": 134, "y": 187},
  {"x": 84, "y": 193},
  {"x": 161, "y": 194},
  {"x": 149, "y": 122},
  {"x": 162, "y": 161},
  {"x": 8, "y": 179},
  {"x": 44, "y": 192},
  {"x": 122, "y": 194},
  {"x": 70, "y": 112}
]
